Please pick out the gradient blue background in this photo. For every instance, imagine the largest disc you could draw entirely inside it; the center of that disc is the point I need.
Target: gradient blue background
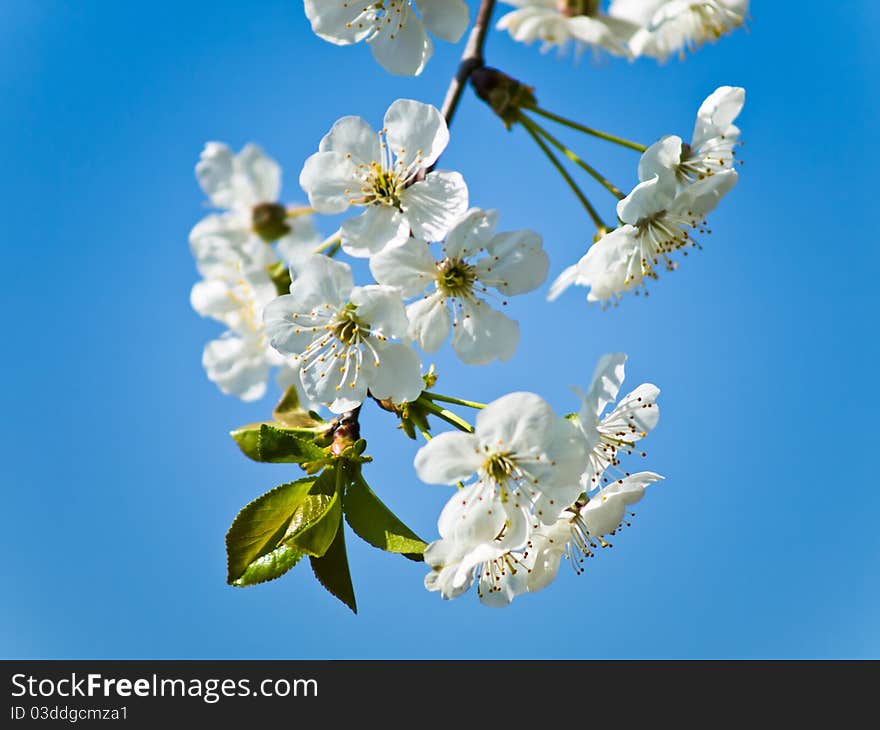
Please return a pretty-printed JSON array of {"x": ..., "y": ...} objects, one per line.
[{"x": 119, "y": 479}]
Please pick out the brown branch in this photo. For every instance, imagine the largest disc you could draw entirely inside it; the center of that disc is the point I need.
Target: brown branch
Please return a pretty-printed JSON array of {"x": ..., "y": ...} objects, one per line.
[{"x": 471, "y": 59}]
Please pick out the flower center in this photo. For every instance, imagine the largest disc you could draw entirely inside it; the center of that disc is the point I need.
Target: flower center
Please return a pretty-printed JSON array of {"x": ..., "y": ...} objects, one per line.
[
  {"x": 500, "y": 468},
  {"x": 574, "y": 8},
  {"x": 269, "y": 221},
  {"x": 455, "y": 278},
  {"x": 348, "y": 328},
  {"x": 385, "y": 187}
]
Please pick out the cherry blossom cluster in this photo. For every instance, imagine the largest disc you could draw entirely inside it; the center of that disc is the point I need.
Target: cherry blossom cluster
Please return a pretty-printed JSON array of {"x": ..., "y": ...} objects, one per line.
[
  {"x": 438, "y": 266},
  {"x": 532, "y": 485},
  {"x": 680, "y": 184},
  {"x": 629, "y": 28},
  {"x": 396, "y": 30},
  {"x": 543, "y": 487}
]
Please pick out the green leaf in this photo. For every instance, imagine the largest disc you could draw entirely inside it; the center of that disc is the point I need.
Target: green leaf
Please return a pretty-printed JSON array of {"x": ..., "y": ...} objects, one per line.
[
  {"x": 378, "y": 525},
  {"x": 280, "y": 446},
  {"x": 248, "y": 439},
  {"x": 317, "y": 519},
  {"x": 270, "y": 566},
  {"x": 333, "y": 573},
  {"x": 290, "y": 413},
  {"x": 280, "y": 275},
  {"x": 261, "y": 526}
]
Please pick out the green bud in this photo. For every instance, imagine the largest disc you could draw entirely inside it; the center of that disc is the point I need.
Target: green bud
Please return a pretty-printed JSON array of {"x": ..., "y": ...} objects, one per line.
[{"x": 269, "y": 221}]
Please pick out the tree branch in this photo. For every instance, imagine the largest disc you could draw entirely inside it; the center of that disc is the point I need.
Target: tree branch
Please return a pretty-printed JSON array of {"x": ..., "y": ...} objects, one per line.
[{"x": 471, "y": 59}]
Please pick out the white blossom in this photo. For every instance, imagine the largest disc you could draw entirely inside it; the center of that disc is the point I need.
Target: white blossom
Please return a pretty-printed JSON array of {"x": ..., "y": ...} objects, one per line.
[
  {"x": 656, "y": 219},
  {"x": 395, "y": 32},
  {"x": 234, "y": 291},
  {"x": 478, "y": 536},
  {"x": 246, "y": 187},
  {"x": 520, "y": 451},
  {"x": 379, "y": 173},
  {"x": 475, "y": 263},
  {"x": 560, "y": 22},
  {"x": 582, "y": 528},
  {"x": 711, "y": 149},
  {"x": 609, "y": 435},
  {"x": 674, "y": 26},
  {"x": 339, "y": 336}
]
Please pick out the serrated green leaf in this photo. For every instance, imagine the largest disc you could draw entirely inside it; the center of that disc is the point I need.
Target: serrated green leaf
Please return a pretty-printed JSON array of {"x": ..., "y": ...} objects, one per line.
[
  {"x": 261, "y": 525},
  {"x": 278, "y": 446},
  {"x": 317, "y": 519},
  {"x": 333, "y": 573},
  {"x": 248, "y": 439},
  {"x": 378, "y": 525},
  {"x": 290, "y": 412},
  {"x": 270, "y": 566}
]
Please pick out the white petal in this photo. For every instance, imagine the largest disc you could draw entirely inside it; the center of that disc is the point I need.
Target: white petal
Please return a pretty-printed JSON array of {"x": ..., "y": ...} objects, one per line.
[
  {"x": 647, "y": 199},
  {"x": 382, "y": 308},
  {"x": 636, "y": 415},
  {"x": 322, "y": 281},
  {"x": 518, "y": 422},
  {"x": 215, "y": 171},
  {"x": 448, "y": 458},
  {"x": 604, "y": 512},
  {"x": 721, "y": 107},
  {"x": 377, "y": 228},
  {"x": 261, "y": 174},
  {"x": 212, "y": 298},
  {"x": 483, "y": 334},
  {"x": 569, "y": 277},
  {"x": 700, "y": 198},
  {"x": 429, "y": 321},
  {"x": 353, "y": 136},
  {"x": 398, "y": 375},
  {"x": 410, "y": 267},
  {"x": 402, "y": 46},
  {"x": 661, "y": 158},
  {"x": 517, "y": 263},
  {"x": 335, "y": 21},
  {"x": 298, "y": 246},
  {"x": 606, "y": 269},
  {"x": 237, "y": 366},
  {"x": 432, "y": 205},
  {"x": 607, "y": 378},
  {"x": 472, "y": 232},
  {"x": 446, "y": 19},
  {"x": 330, "y": 181},
  {"x": 416, "y": 131},
  {"x": 341, "y": 388},
  {"x": 287, "y": 335}
]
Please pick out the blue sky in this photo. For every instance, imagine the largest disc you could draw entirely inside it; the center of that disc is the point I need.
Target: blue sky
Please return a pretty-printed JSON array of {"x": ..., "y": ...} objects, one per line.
[{"x": 119, "y": 479}]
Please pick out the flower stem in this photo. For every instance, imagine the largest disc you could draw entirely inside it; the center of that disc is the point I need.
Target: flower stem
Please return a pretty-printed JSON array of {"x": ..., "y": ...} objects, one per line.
[
  {"x": 302, "y": 210},
  {"x": 455, "y": 401},
  {"x": 592, "y": 171},
  {"x": 330, "y": 245},
  {"x": 448, "y": 416},
  {"x": 589, "y": 130},
  {"x": 529, "y": 126}
]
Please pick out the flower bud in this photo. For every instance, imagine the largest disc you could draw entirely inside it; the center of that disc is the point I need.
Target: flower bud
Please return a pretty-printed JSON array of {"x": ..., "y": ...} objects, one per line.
[
  {"x": 505, "y": 95},
  {"x": 269, "y": 221}
]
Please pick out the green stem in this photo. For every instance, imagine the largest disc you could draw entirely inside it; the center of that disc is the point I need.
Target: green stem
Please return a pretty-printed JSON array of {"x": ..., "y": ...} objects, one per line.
[
  {"x": 589, "y": 130},
  {"x": 529, "y": 126},
  {"x": 592, "y": 171},
  {"x": 455, "y": 401},
  {"x": 448, "y": 416},
  {"x": 331, "y": 243}
]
